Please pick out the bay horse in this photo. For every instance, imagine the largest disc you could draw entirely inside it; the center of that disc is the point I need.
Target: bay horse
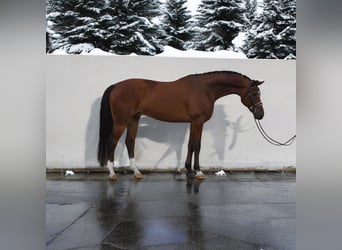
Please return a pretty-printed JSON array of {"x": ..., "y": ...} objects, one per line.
[{"x": 188, "y": 99}]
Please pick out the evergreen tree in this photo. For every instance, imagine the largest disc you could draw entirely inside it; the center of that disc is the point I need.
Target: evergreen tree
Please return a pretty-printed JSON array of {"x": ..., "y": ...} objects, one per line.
[
  {"x": 288, "y": 34},
  {"x": 87, "y": 28},
  {"x": 176, "y": 24},
  {"x": 132, "y": 29},
  {"x": 251, "y": 13},
  {"x": 75, "y": 22},
  {"x": 273, "y": 33},
  {"x": 57, "y": 21},
  {"x": 218, "y": 23},
  {"x": 122, "y": 27}
]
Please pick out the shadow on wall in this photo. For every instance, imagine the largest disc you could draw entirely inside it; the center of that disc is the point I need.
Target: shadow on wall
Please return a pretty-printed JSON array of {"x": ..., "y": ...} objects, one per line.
[
  {"x": 221, "y": 128},
  {"x": 168, "y": 133},
  {"x": 92, "y": 134},
  {"x": 173, "y": 135}
]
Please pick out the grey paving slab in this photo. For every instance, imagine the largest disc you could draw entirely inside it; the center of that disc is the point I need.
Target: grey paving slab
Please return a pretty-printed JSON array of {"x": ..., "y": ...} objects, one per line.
[{"x": 167, "y": 211}]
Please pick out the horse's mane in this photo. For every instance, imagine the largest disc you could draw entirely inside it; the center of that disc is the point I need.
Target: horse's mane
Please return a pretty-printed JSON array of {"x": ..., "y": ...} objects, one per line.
[{"x": 221, "y": 72}]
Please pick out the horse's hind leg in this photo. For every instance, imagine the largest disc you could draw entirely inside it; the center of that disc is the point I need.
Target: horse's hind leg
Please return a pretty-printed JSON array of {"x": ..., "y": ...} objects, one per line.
[
  {"x": 130, "y": 142},
  {"x": 117, "y": 132},
  {"x": 110, "y": 164}
]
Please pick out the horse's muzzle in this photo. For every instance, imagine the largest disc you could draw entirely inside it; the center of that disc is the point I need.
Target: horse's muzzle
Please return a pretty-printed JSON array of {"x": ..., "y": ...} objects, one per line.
[
  {"x": 258, "y": 114},
  {"x": 257, "y": 110}
]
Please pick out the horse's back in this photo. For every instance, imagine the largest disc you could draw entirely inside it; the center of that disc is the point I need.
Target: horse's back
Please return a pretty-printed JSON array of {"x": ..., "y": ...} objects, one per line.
[
  {"x": 176, "y": 101},
  {"x": 168, "y": 101}
]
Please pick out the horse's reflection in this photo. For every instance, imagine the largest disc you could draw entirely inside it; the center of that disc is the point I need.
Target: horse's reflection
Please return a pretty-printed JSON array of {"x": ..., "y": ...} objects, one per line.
[{"x": 192, "y": 185}]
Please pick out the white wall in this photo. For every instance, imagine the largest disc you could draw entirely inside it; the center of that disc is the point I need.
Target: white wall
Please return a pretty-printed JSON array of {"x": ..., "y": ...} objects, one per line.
[{"x": 230, "y": 139}]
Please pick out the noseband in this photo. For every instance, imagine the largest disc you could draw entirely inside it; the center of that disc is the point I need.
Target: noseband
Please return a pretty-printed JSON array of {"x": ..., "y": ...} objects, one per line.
[{"x": 252, "y": 108}]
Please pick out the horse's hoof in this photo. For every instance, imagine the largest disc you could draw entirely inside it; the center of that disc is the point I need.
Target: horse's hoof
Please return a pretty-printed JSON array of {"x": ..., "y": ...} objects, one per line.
[
  {"x": 113, "y": 177},
  {"x": 200, "y": 177},
  {"x": 138, "y": 176},
  {"x": 191, "y": 175}
]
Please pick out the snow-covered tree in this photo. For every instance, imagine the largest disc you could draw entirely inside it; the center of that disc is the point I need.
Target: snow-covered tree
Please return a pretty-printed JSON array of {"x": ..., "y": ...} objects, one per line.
[
  {"x": 122, "y": 27},
  {"x": 273, "y": 33},
  {"x": 57, "y": 21},
  {"x": 218, "y": 23},
  {"x": 288, "y": 34},
  {"x": 176, "y": 24},
  {"x": 74, "y": 25},
  {"x": 251, "y": 12},
  {"x": 87, "y": 29},
  {"x": 132, "y": 29}
]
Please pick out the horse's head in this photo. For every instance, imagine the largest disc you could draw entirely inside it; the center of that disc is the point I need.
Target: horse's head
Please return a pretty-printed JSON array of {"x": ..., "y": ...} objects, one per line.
[{"x": 251, "y": 99}]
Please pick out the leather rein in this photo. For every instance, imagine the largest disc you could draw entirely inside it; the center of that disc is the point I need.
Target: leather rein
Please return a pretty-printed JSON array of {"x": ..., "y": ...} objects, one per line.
[{"x": 252, "y": 108}]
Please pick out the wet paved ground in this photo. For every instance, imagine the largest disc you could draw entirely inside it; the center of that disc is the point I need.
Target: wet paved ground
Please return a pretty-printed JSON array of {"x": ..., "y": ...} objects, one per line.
[{"x": 166, "y": 211}]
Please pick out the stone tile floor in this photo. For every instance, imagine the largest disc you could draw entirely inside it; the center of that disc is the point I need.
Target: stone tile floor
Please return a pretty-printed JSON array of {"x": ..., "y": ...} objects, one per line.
[{"x": 167, "y": 211}]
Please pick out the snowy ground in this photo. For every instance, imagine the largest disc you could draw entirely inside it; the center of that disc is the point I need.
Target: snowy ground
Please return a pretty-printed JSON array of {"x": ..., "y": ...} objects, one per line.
[
  {"x": 88, "y": 49},
  {"x": 172, "y": 52},
  {"x": 168, "y": 52}
]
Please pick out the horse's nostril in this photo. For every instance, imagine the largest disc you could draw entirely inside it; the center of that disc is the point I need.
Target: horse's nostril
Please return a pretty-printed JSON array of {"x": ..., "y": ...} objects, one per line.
[{"x": 258, "y": 115}]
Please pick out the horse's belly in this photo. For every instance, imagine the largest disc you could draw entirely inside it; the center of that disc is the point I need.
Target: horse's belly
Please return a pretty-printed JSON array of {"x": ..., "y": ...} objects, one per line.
[{"x": 167, "y": 111}]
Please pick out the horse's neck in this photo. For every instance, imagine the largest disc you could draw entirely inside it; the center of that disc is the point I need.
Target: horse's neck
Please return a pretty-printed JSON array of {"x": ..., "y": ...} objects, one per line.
[{"x": 222, "y": 86}]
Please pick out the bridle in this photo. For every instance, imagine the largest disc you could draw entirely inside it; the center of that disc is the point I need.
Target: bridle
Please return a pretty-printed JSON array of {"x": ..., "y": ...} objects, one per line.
[{"x": 253, "y": 109}]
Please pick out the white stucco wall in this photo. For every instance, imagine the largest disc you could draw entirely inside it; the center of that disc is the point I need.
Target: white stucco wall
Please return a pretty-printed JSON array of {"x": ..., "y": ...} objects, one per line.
[{"x": 230, "y": 139}]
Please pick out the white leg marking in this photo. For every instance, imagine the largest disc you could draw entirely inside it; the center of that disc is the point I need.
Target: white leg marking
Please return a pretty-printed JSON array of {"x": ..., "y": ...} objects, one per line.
[
  {"x": 110, "y": 166},
  {"x": 178, "y": 169},
  {"x": 133, "y": 166},
  {"x": 199, "y": 173}
]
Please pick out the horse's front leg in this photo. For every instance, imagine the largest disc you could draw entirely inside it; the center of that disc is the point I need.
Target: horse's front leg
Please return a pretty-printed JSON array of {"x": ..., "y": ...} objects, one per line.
[
  {"x": 130, "y": 142},
  {"x": 194, "y": 146},
  {"x": 188, "y": 162}
]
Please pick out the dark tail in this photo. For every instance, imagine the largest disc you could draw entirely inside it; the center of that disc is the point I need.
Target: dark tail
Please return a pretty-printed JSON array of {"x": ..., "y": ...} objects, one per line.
[{"x": 106, "y": 128}]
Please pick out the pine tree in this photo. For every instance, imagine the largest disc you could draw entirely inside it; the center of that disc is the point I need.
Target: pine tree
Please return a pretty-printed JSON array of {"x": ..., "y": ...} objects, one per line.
[
  {"x": 122, "y": 27},
  {"x": 273, "y": 34},
  {"x": 87, "y": 28},
  {"x": 218, "y": 23},
  {"x": 75, "y": 24},
  {"x": 131, "y": 30},
  {"x": 146, "y": 33},
  {"x": 288, "y": 34},
  {"x": 251, "y": 13},
  {"x": 57, "y": 21},
  {"x": 176, "y": 24}
]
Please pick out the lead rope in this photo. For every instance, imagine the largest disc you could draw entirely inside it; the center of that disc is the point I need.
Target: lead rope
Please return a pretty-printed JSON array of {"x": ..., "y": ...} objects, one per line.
[{"x": 270, "y": 140}]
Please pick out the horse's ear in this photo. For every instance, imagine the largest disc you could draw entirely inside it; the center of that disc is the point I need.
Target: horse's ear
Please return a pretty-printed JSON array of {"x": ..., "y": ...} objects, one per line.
[{"x": 259, "y": 82}]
